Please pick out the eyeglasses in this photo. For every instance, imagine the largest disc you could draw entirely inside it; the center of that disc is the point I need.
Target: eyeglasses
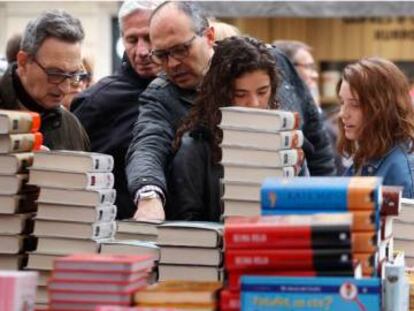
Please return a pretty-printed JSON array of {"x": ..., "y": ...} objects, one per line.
[
  {"x": 179, "y": 52},
  {"x": 57, "y": 77},
  {"x": 309, "y": 66}
]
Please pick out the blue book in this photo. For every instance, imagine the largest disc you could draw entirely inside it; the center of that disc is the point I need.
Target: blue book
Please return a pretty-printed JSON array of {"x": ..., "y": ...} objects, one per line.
[
  {"x": 265, "y": 293},
  {"x": 321, "y": 193}
]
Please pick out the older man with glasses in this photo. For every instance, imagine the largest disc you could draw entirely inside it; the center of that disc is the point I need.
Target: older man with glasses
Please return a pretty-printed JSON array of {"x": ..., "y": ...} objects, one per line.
[
  {"x": 48, "y": 66},
  {"x": 183, "y": 43}
]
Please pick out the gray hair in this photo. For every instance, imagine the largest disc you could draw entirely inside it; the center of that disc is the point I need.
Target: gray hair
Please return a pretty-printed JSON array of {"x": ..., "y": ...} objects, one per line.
[
  {"x": 192, "y": 10},
  {"x": 53, "y": 23},
  {"x": 131, "y": 6},
  {"x": 291, "y": 47}
]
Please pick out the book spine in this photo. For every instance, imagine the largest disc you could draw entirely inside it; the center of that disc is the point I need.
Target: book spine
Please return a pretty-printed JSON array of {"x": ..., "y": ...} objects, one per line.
[
  {"x": 22, "y": 142},
  {"x": 290, "y": 120},
  {"x": 19, "y": 122},
  {"x": 104, "y": 230},
  {"x": 321, "y": 192},
  {"x": 364, "y": 242},
  {"x": 295, "y": 237},
  {"x": 291, "y": 139},
  {"x": 395, "y": 288},
  {"x": 102, "y": 163},
  {"x": 106, "y": 196},
  {"x": 391, "y": 201},
  {"x": 229, "y": 300},
  {"x": 364, "y": 221},
  {"x": 306, "y": 259},
  {"x": 100, "y": 180},
  {"x": 234, "y": 277},
  {"x": 291, "y": 157},
  {"x": 105, "y": 213}
]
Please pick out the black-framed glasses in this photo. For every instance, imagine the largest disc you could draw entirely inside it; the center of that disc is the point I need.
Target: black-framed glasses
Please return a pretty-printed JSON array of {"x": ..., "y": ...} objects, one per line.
[
  {"x": 178, "y": 52},
  {"x": 57, "y": 77}
]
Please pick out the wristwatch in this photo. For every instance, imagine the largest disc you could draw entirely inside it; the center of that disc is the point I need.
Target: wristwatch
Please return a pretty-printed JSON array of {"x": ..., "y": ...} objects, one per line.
[{"x": 149, "y": 194}]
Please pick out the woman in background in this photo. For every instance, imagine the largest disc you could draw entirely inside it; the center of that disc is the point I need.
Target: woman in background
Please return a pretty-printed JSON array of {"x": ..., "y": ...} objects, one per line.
[
  {"x": 242, "y": 73},
  {"x": 376, "y": 122}
]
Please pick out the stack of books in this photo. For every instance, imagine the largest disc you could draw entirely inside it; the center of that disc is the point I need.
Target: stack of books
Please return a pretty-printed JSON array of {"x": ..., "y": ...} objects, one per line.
[
  {"x": 190, "y": 251},
  {"x": 183, "y": 295},
  {"x": 17, "y": 290},
  {"x": 84, "y": 281},
  {"x": 256, "y": 143},
  {"x": 19, "y": 137},
  {"x": 362, "y": 196},
  {"x": 75, "y": 207},
  {"x": 403, "y": 228},
  {"x": 293, "y": 245}
]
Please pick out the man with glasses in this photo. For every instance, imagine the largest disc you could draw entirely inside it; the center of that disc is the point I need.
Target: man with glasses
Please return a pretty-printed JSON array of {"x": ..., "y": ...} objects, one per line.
[
  {"x": 115, "y": 97},
  {"x": 47, "y": 68},
  {"x": 183, "y": 45}
]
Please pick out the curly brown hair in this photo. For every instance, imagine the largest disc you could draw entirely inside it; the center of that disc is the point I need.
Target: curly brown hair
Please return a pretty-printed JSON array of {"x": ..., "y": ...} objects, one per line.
[
  {"x": 233, "y": 57},
  {"x": 387, "y": 109}
]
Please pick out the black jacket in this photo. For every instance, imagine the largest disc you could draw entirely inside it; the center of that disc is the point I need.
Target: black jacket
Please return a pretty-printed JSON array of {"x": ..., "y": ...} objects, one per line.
[
  {"x": 194, "y": 182},
  {"x": 108, "y": 111},
  {"x": 60, "y": 128},
  {"x": 163, "y": 105}
]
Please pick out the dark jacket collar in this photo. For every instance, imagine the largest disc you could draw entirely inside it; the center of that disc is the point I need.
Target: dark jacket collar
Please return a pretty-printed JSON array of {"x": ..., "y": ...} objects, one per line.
[{"x": 128, "y": 71}]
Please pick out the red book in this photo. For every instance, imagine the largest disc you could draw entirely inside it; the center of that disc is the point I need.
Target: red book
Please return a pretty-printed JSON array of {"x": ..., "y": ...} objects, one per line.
[
  {"x": 98, "y": 276},
  {"x": 289, "y": 231},
  {"x": 104, "y": 263},
  {"x": 391, "y": 200},
  {"x": 229, "y": 300},
  {"x": 281, "y": 259}
]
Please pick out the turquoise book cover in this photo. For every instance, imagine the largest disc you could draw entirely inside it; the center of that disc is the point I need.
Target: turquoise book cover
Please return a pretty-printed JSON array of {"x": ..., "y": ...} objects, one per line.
[{"x": 266, "y": 293}]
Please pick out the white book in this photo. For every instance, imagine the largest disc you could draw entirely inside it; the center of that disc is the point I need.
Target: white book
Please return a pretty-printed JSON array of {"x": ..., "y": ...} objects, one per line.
[
  {"x": 74, "y": 161},
  {"x": 265, "y": 119},
  {"x": 91, "y": 197}
]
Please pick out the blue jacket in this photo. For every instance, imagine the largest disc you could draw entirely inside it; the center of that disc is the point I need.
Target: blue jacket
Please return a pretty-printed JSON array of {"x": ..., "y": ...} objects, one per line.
[{"x": 396, "y": 168}]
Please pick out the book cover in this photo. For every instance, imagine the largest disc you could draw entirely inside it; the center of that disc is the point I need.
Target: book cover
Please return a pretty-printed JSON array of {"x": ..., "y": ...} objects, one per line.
[
  {"x": 229, "y": 300},
  {"x": 282, "y": 259},
  {"x": 234, "y": 277},
  {"x": 391, "y": 200},
  {"x": 74, "y": 161},
  {"x": 17, "y": 290},
  {"x": 71, "y": 180},
  {"x": 91, "y": 197},
  {"x": 289, "y": 231},
  {"x": 13, "y": 121},
  {"x": 99, "y": 262},
  {"x": 262, "y": 139},
  {"x": 330, "y": 193},
  {"x": 181, "y": 255},
  {"x": 98, "y": 276},
  {"x": 66, "y": 246},
  {"x": 130, "y": 247},
  {"x": 189, "y": 273},
  {"x": 12, "y": 184},
  {"x": 395, "y": 287},
  {"x": 76, "y": 230},
  {"x": 190, "y": 233},
  {"x": 13, "y": 163},
  {"x": 321, "y": 293},
  {"x": 20, "y": 142},
  {"x": 266, "y": 157},
  {"x": 255, "y": 173},
  {"x": 264, "y": 119},
  {"x": 76, "y": 213},
  {"x": 179, "y": 292}
]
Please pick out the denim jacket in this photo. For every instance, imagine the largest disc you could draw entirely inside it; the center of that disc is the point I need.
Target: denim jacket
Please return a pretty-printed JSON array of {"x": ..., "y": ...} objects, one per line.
[{"x": 396, "y": 168}]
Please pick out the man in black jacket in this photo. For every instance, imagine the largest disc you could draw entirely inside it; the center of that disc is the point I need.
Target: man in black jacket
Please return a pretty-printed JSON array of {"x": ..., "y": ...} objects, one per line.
[
  {"x": 47, "y": 68},
  {"x": 108, "y": 110},
  {"x": 183, "y": 45}
]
